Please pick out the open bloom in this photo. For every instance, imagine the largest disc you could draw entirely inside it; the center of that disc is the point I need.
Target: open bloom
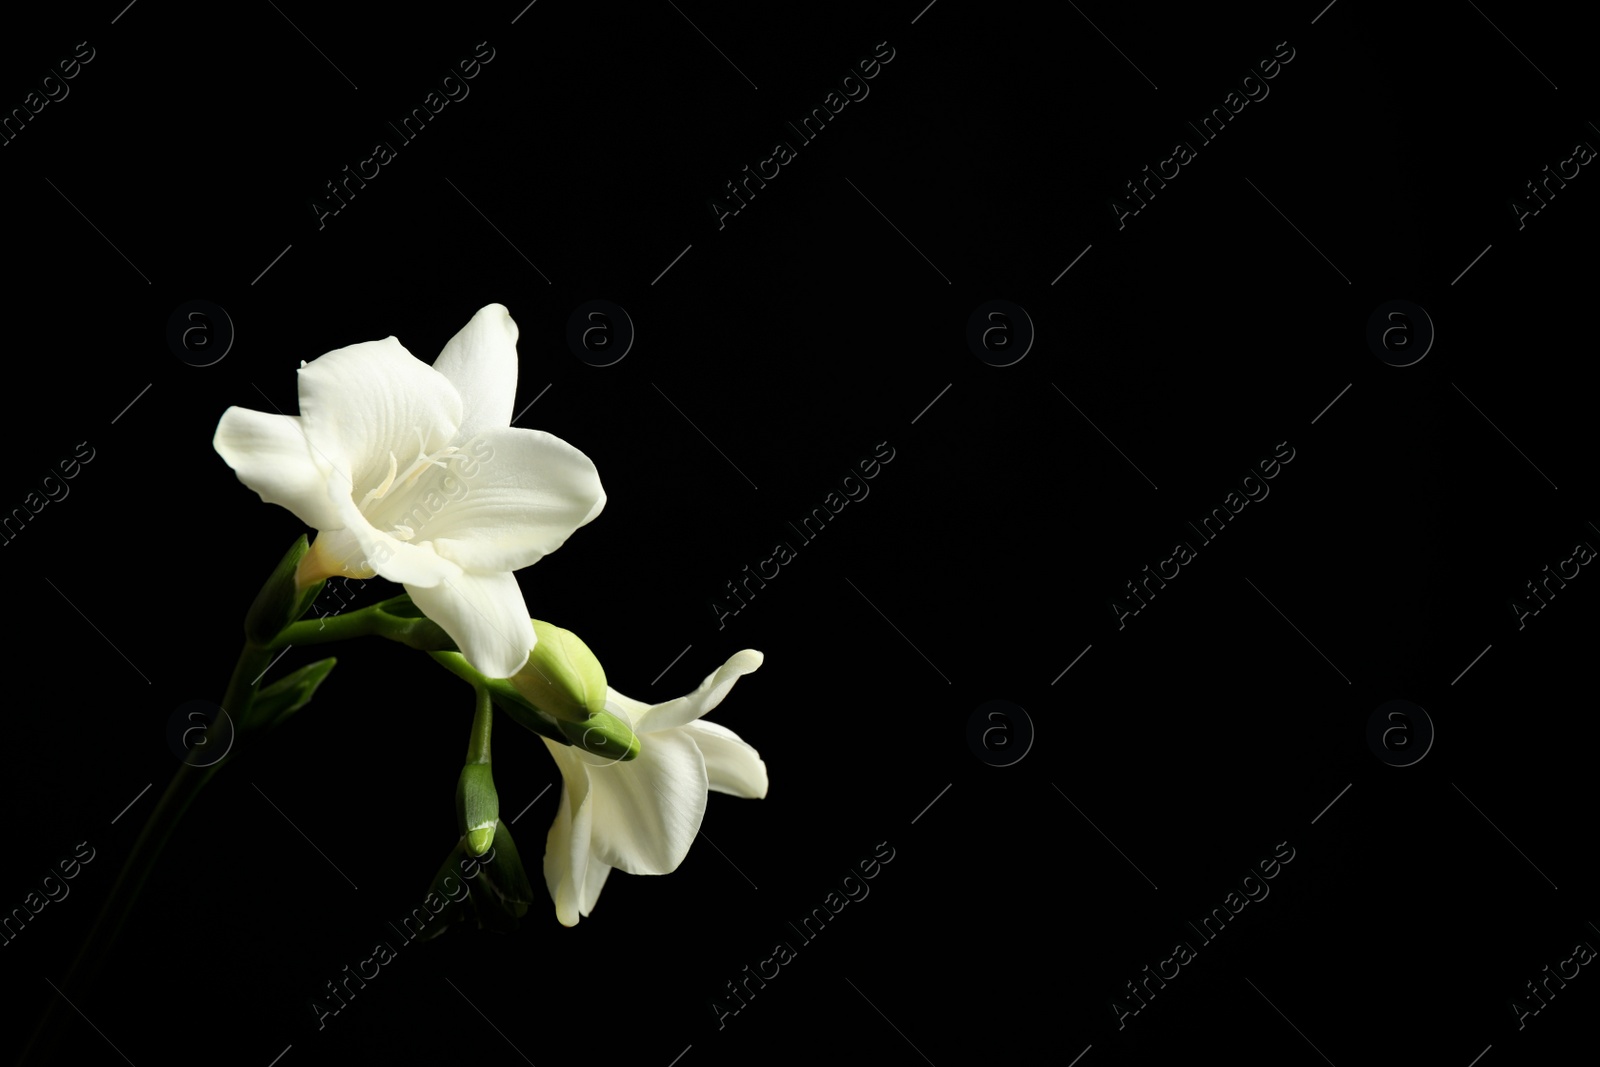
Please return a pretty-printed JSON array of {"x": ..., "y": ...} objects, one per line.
[
  {"x": 642, "y": 815},
  {"x": 415, "y": 473}
]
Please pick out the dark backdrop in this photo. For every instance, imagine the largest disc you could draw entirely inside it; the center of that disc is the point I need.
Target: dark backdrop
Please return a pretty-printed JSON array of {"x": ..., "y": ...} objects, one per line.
[{"x": 1166, "y": 354}]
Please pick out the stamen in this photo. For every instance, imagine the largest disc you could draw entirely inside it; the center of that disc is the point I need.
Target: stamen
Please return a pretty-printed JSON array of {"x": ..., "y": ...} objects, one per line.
[
  {"x": 424, "y": 461},
  {"x": 378, "y": 493}
]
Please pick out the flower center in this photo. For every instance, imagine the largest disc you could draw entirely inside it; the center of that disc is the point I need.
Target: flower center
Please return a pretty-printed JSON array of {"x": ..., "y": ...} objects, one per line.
[{"x": 393, "y": 499}]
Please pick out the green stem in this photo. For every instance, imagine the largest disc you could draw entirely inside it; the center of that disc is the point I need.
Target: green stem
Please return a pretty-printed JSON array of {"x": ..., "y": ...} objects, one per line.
[
  {"x": 141, "y": 860},
  {"x": 504, "y": 694},
  {"x": 477, "y": 803},
  {"x": 457, "y": 664},
  {"x": 361, "y": 623},
  {"x": 482, "y": 724},
  {"x": 376, "y": 620}
]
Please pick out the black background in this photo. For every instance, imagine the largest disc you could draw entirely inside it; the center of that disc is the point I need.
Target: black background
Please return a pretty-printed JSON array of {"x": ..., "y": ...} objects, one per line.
[{"x": 1175, "y": 753}]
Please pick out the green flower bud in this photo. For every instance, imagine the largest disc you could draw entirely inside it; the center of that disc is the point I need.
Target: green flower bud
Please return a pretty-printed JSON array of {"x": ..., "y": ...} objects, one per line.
[
  {"x": 604, "y": 735},
  {"x": 562, "y": 678},
  {"x": 282, "y": 599},
  {"x": 478, "y": 806}
]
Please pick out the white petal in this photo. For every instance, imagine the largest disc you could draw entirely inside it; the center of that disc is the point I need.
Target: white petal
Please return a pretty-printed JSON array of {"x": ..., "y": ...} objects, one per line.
[
  {"x": 481, "y": 361},
  {"x": 629, "y": 709},
  {"x": 270, "y": 454},
  {"x": 647, "y": 811},
  {"x": 359, "y": 404},
  {"x": 335, "y": 553},
  {"x": 524, "y": 499},
  {"x": 592, "y": 884},
  {"x": 599, "y": 503},
  {"x": 732, "y": 765},
  {"x": 689, "y": 708},
  {"x": 415, "y": 565},
  {"x": 566, "y": 849},
  {"x": 486, "y": 617}
]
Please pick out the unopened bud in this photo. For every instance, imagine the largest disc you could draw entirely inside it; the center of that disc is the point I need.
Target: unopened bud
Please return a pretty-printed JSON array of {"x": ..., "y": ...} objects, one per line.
[
  {"x": 478, "y": 805},
  {"x": 604, "y": 735},
  {"x": 284, "y": 597},
  {"x": 562, "y": 678}
]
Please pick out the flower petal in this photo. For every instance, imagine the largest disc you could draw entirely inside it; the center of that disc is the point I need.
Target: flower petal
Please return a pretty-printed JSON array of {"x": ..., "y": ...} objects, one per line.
[
  {"x": 335, "y": 553},
  {"x": 530, "y": 491},
  {"x": 481, "y": 361},
  {"x": 647, "y": 811},
  {"x": 732, "y": 765},
  {"x": 270, "y": 454},
  {"x": 592, "y": 884},
  {"x": 687, "y": 709},
  {"x": 486, "y": 617},
  {"x": 362, "y": 403},
  {"x": 566, "y": 849},
  {"x": 367, "y": 548}
]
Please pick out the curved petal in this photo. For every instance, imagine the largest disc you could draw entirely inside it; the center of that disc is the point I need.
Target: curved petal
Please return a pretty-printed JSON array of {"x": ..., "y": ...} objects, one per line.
[
  {"x": 486, "y": 617},
  {"x": 362, "y": 403},
  {"x": 647, "y": 811},
  {"x": 566, "y": 849},
  {"x": 732, "y": 765},
  {"x": 599, "y": 504},
  {"x": 270, "y": 454},
  {"x": 481, "y": 361},
  {"x": 334, "y": 553},
  {"x": 367, "y": 548},
  {"x": 689, "y": 708},
  {"x": 592, "y": 884},
  {"x": 528, "y": 492},
  {"x": 630, "y": 710}
]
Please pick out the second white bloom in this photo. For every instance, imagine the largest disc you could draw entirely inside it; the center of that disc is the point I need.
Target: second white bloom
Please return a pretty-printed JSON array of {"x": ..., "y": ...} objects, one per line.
[{"x": 642, "y": 815}]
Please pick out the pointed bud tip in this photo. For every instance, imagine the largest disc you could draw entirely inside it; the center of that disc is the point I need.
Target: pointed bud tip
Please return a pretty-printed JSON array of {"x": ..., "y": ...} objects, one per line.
[{"x": 479, "y": 840}]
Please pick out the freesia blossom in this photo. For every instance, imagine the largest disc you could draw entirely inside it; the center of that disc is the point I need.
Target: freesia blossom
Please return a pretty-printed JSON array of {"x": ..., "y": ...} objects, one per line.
[
  {"x": 415, "y": 473},
  {"x": 641, "y": 816}
]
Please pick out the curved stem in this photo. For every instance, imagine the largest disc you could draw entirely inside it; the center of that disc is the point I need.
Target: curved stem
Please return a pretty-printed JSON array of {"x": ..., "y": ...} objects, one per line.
[
  {"x": 504, "y": 694},
  {"x": 181, "y": 791},
  {"x": 457, "y": 664},
  {"x": 340, "y": 627},
  {"x": 363, "y": 622},
  {"x": 417, "y": 631}
]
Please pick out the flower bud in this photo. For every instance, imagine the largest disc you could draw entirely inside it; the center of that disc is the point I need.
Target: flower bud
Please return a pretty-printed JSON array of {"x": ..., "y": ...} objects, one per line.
[
  {"x": 562, "y": 678},
  {"x": 604, "y": 735},
  {"x": 478, "y": 806},
  {"x": 283, "y": 599}
]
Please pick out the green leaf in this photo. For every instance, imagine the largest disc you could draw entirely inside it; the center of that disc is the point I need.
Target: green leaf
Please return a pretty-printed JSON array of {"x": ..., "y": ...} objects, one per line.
[
  {"x": 289, "y": 694},
  {"x": 280, "y": 602},
  {"x": 446, "y": 885},
  {"x": 501, "y": 891},
  {"x": 497, "y": 894}
]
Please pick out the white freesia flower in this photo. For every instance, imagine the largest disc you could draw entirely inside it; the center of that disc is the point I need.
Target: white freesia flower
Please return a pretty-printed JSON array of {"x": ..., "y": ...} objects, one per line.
[
  {"x": 415, "y": 473},
  {"x": 642, "y": 815}
]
